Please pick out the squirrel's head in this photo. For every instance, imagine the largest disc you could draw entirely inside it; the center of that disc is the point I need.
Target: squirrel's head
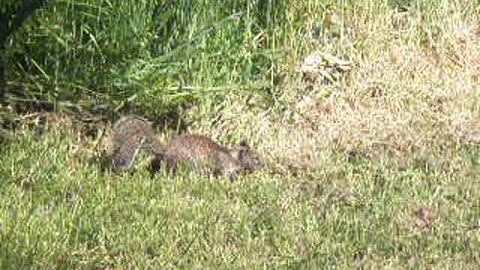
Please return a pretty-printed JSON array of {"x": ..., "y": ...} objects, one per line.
[{"x": 248, "y": 158}]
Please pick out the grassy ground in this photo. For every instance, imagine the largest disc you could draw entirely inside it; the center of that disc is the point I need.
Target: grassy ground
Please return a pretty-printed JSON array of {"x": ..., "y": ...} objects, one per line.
[
  {"x": 59, "y": 211},
  {"x": 378, "y": 170}
]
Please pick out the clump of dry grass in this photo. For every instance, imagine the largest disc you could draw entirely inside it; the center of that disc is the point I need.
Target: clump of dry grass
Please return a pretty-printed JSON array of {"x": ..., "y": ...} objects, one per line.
[{"x": 409, "y": 91}]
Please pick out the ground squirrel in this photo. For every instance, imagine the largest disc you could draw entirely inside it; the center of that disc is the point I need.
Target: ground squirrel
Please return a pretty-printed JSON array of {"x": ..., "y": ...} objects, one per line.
[{"x": 132, "y": 133}]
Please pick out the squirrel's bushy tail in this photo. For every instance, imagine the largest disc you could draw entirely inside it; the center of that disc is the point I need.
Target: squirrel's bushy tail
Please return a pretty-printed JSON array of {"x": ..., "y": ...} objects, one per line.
[
  {"x": 124, "y": 155},
  {"x": 131, "y": 134}
]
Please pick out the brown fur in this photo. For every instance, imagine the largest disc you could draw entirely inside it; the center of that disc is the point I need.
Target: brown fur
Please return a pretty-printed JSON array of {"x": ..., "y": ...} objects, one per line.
[{"x": 204, "y": 155}]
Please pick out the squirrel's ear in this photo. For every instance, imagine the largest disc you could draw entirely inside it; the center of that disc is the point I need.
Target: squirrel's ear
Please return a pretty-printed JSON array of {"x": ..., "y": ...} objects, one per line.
[{"x": 244, "y": 143}]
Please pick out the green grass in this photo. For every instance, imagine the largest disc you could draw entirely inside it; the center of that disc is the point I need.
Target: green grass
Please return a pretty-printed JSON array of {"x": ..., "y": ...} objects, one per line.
[
  {"x": 376, "y": 169},
  {"x": 152, "y": 56},
  {"x": 58, "y": 210}
]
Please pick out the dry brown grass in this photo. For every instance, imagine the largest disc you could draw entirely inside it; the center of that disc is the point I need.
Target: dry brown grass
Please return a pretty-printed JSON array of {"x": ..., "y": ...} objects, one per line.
[{"x": 410, "y": 90}]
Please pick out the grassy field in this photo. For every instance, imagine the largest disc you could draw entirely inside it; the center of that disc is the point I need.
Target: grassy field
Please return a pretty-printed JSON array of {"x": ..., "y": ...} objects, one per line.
[{"x": 375, "y": 166}]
